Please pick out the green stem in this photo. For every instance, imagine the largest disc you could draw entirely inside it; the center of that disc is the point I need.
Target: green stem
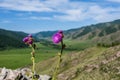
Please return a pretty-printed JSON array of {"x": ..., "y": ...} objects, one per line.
[
  {"x": 33, "y": 61},
  {"x": 57, "y": 67},
  {"x": 62, "y": 47},
  {"x": 58, "y": 63},
  {"x": 33, "y": 67}
]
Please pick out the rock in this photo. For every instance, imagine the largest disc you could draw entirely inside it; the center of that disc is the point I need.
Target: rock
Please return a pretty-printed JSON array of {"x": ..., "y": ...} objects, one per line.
[
  {"x": 44, "y": 77},
  {"x": 11, "y": 75},
  {"x": 20, "y": 74},
  {"x": 3, "y": 74}
]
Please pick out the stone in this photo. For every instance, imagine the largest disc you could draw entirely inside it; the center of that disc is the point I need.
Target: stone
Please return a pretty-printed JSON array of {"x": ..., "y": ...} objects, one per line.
[
  {"x": 3, "y": 74},
  {"x": 44, "y": 77},
  {"x": 20, "y": 74}
]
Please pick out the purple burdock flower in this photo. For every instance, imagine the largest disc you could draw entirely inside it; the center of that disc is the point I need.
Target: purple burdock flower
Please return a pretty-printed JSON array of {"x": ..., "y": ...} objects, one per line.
[{"x": 56, "y": 38}]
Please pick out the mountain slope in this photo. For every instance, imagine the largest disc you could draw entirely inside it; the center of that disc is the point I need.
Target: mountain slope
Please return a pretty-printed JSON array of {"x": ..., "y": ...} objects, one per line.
[
  {"x": 10, "y": 39},
  {"x": 97, "y": 30},
  {"x": 95, "y": 63},
  {"x": 44, "y": 34}
]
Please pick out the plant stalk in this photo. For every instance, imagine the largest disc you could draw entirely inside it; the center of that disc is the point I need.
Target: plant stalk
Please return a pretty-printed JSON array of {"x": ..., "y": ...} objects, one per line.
[
  {"x": 59, "y": 62},
  {"x": 33, "y": 61}
]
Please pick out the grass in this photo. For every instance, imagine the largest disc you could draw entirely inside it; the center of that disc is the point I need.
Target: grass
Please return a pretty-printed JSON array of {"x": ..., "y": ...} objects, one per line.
[
  {"x": 74, "y": 65},
  {"x": 69, "y": 60},
  {"x": 94, "y": 56},
  {"x": 74, "y": 60},
  {"x": 16, "y": 58},
  {"x": 21, "y": 57},
  {"x": 78, "y": 45}
]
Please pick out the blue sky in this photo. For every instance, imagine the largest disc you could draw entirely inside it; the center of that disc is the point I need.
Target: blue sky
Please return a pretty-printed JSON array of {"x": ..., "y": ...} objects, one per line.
[{"x": 47, "y": 15}]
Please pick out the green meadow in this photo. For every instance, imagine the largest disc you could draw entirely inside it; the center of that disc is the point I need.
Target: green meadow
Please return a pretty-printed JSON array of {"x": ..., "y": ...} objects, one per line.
[
  {"x": 16, "y": 58},
  {"x": 21, "y": 57}
]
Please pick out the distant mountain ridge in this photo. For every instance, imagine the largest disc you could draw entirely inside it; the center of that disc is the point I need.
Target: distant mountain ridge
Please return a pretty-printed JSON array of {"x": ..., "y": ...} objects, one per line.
[
  {"x": 11, "y": 39},
  {"x": 101, "y": 29},
  {"x": 44, "y": 34},
  {"x": 107, "y": 32}
]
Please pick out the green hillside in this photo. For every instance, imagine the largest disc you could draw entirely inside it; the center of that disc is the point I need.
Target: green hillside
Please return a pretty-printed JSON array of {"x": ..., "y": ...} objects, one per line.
[
  {"x": 11, "y": 39},
  {"x": 96, "y": 63},
  {"x": 44, "y": 34}
]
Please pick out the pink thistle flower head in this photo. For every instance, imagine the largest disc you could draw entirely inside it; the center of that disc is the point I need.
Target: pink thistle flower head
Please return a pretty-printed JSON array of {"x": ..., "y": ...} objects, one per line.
[
  {"x": 25, "y": 39},
  {"x": 57, "y": 37},
  {"x": 28, "y": 39},
  {"x": 30, "y": 42}
]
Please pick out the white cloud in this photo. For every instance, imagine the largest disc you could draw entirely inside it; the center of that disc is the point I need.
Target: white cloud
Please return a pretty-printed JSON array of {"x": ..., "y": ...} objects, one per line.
[
  {"x": 100, "y": 14},
  {"x": 70, "y": 11},
  {"x": 24, "y": 5},
  {"x": 72, "y": 15},
  {"x": 39, "y": 18},
  {"x": 90, "y": 12}
]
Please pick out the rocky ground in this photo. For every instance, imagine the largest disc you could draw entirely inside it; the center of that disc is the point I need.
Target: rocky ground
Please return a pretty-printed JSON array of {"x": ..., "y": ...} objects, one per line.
[{"x": 20, "y": 74}]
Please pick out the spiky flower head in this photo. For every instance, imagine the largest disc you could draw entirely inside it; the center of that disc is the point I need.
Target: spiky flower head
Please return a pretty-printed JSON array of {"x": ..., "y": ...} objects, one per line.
[
  {"x": 28, "y": 39},
  {"x": 57, "y": 37}
]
